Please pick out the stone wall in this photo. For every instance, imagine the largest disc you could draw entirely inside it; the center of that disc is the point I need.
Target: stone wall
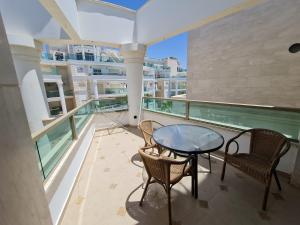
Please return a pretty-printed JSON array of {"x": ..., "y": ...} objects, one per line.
[{"x": 244, "y": 58}]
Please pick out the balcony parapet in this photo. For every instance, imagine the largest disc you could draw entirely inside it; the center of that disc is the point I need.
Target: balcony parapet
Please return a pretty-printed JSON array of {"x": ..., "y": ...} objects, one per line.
[{"x": 230, "y": 115}]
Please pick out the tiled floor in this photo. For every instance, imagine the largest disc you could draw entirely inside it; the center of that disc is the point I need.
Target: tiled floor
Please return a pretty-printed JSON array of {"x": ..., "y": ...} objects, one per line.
[{"x": 109, "y": 188}]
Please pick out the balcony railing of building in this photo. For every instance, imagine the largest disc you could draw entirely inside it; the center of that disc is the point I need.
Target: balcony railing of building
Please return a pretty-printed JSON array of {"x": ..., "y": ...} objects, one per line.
[
  {"x": 55, "y": 93},
  {"x": 152, "y": 65},
  {"x": 52, "y": 71},
  {"x": 115, "y": 91},
  {"x": 232, "y": 116},
  {"x": 54, "y": 140},
  {"x": 107, "y": 73},
  {"x": 87, "y": 57}
]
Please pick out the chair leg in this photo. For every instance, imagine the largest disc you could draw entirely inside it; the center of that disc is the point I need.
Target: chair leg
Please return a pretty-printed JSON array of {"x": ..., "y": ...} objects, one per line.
[
  {"x": 267, "y": 190},
  {"x": 169, "y": 205},
  {"x": 223, "y": 170},
  {"x": 277, "y": 180},
  {"x": 145, "y": 190},
  {"x": 209, "y": 162}
]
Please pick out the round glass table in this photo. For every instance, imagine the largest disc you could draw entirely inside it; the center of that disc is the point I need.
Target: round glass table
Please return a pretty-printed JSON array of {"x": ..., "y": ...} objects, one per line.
[{"x": 191, "y": 140}]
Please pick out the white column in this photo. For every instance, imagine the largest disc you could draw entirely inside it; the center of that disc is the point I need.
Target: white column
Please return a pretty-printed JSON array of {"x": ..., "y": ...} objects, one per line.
[
  {"x": 95, "y": 87},
  {"x": 68, "y": 49},
  {"x": 134, "y": 58},
  {"x": 23, "y": 200},
  {"x": 176, "y": 85},
  {"x": 62, "y": 96},
  {"x": 27, "y": 64},
  {"x": 95, "y": 52},
  {"x": 82, "y": 50}
]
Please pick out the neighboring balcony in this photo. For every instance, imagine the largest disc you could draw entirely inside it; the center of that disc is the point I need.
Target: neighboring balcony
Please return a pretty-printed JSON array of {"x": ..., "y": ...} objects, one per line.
[
  {"x": 112, "y": 92},
  {"x": 51, "y": 94},
  {"x": 52, "y": 59}
]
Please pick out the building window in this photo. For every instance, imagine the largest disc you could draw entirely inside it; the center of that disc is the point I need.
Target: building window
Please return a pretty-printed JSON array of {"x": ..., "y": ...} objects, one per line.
[
  {"x": 79, "y": 56},
  {"x": 89, "y": 56},
  {"x": 97, "y": 71}
]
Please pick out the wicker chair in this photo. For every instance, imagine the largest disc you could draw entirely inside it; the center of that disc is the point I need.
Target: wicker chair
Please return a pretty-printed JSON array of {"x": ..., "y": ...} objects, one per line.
[
  {"x": 165, "y": 171},
  {"x": 266, "y": 149},
  {"x": 147, "y": 127}
]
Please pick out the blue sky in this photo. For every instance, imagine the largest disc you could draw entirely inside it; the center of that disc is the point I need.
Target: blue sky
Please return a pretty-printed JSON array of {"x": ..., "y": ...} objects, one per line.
[
  {"x": 175, "y": 46},
  {"x": 131, "y": 4}
]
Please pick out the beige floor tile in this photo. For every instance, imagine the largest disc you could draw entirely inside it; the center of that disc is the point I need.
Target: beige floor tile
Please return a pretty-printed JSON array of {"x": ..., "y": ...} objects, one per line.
[{"x": 110, "y": 186}]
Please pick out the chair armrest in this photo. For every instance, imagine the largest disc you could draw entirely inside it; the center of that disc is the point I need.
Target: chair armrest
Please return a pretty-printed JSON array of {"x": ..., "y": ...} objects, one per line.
[
  {"x": 233, "y": 140},
  {"x": 171, "y": 161},
  {"x": 158, "y": 123},
  {"x": 153, "y": 146},
  {"x": 148, "y": 147}
]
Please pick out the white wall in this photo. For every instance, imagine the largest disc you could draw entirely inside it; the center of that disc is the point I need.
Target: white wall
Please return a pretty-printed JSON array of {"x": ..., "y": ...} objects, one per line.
[
  {"x": 287, "y": 163},
  {"x": 33, "y": 100},
  {"x": 22, "y": 200},
  {"x": 27, "y": 65}
]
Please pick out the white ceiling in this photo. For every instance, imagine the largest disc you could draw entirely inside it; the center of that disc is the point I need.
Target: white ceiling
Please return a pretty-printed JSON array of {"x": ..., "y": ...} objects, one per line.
[{"x": 91, "y": 21}]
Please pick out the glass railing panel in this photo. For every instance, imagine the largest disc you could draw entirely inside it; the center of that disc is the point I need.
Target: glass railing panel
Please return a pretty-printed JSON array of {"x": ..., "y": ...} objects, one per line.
[
  {"x": 242, "y": 117},
  {"x": 52, "y": 146},
  {"x": 115, "y": 91},
  {"x": 111, "y": 104},
  {"x": 55, "y": 93},
  {"x": 168, "y": 106},
  {"x": 52, "y": 94},
  {"x": 53, "y": 143},
  {"x": 82, "y": 116}
]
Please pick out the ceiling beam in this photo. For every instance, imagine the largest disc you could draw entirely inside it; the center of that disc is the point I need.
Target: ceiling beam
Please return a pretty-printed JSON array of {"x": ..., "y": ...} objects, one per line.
[{"x": 68, "y": 21}]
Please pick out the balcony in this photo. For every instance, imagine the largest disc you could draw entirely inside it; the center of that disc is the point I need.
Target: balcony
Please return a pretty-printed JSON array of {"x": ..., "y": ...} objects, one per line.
[
  {"x": 55, "y": 93},
  {"x": 112, "y": 166},
  {"x": 94, "y": 58},
  {"x": 84, "y": 167}
]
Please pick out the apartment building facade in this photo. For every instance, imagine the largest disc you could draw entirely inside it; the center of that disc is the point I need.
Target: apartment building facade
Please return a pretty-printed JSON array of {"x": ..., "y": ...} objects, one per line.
[{"x": 73, "y": 74}]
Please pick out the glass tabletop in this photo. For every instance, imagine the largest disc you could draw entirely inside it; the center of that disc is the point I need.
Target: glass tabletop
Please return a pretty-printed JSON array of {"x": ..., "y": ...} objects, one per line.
[{"x": 190, "y": 139}]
